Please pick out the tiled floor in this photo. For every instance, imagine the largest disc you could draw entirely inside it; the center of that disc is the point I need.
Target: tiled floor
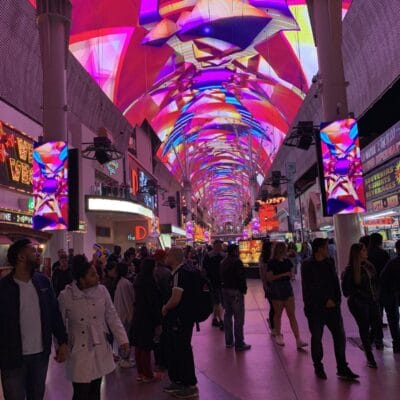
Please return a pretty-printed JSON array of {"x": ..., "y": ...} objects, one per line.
[{"x": 265, "y": 372}]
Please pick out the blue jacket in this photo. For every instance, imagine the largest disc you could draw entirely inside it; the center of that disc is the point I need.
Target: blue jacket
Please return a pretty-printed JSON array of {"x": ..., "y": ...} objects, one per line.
[{"x": 10, "y": 333}]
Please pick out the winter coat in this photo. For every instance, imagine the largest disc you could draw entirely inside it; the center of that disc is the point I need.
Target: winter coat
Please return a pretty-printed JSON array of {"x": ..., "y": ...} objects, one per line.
[
  {"x": 89, "y": 315},
  {"x": 123, "y": 301}
]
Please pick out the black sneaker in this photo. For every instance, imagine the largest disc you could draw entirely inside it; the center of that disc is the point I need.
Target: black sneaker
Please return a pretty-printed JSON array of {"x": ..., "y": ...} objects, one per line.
[
  {"x": 187, "y": 393},
  {"x": 320, "y": 373},
  {"x": 215, "y": 323},
  {"x": 173, "y": 387},
  {"x": 347, "y": 374},
  {"x": 221, "y": 325},
  {"x": 243, "y": 347}
]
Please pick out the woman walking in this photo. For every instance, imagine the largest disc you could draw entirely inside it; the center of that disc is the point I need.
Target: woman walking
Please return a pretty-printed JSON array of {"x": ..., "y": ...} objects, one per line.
[
  {"x": 279, "y": 273},
  {"x": 263, "y": 264},
  {"x": 123, "y": 301},
  {"x": 359, "y": 284},
  {"x": 146, "y": 326},
  {"x": 88, "y": 314}
]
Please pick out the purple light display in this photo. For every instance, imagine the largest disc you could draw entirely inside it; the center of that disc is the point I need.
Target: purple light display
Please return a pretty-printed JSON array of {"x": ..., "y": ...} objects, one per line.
[
  {"x": 50, "y": 186},
  {"x": 342, "y": 184}
]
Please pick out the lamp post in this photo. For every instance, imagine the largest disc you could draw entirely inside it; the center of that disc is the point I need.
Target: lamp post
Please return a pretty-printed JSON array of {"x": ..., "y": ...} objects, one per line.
[
  {"x": 53, "y": 20},
  {"x": 327, "y": 19}
]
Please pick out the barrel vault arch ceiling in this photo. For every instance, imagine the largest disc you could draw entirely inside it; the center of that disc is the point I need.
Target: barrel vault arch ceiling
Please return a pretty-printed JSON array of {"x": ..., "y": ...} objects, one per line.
[{"x": 220, "y": 81}]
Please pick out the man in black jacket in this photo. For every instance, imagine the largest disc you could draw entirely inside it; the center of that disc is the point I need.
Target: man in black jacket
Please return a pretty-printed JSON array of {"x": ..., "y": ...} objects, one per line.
[
  {"x": 234, "y": 287},
  {"x": 29, "y": 316},
  {"x": 211, "y": 266},
  {"x": 390, "y": 296},
  {"x": 321, "y": 295}
]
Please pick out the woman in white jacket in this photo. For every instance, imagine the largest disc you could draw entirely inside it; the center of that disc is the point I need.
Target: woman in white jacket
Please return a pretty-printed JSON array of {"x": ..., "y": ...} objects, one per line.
[{"x": 89, "y": 314}]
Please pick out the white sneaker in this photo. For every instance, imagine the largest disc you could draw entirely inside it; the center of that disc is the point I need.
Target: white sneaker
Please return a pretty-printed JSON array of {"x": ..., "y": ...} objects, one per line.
[
  {"x": 279, "y": 340},
  {"x": 300, "y": 344},
  {"x": 126, "y": 364}
]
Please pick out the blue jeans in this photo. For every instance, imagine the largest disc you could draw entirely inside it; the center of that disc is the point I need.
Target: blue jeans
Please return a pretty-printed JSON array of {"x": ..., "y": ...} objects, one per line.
[
  {"x": 27, "y": 381},
  {"x": 234, "y": 307}
]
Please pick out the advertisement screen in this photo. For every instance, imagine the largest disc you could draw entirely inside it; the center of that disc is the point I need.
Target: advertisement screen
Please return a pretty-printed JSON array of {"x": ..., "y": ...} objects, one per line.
[
  {"x": 340, "y": 168},
  {"x": 250, "y": 251},
  {"x": 50, "y": 186}
]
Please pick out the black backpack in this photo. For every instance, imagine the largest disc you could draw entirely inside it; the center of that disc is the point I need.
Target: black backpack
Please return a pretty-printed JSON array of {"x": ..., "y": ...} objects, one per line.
[{"x": 201, "y": 297}]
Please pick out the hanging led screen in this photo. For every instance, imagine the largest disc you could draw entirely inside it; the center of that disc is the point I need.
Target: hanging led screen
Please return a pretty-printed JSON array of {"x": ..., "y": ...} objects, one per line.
[
  {"x": 340, "y": 169},
  {"x": 50, "y": 186}
]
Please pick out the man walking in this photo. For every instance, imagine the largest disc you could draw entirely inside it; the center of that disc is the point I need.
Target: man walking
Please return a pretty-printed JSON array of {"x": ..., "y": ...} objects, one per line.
[
  {"x": 180, "y": 321},
  {"x": 390, "y": 296},
  {"x": 29, "y": 316},
  {"x": 322, "y": 296},
  {"x": 234, "y": 287},
  {"x": 211, "y": 266}
]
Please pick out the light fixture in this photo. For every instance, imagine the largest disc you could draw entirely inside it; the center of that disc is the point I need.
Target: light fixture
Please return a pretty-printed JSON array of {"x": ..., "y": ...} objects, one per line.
[
  {"x": 101, "y": 150},
  {"x": 114, "y": 205}
]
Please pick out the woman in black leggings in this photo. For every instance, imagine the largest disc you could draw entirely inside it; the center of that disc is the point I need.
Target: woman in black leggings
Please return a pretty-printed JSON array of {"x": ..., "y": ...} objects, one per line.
[{"x": 359, "y": 284}]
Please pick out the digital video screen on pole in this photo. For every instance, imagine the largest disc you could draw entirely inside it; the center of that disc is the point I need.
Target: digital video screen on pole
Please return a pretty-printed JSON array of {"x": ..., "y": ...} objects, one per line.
[
  {"x": 50, "y": 186},
  {"x": 340, "y": 167}
]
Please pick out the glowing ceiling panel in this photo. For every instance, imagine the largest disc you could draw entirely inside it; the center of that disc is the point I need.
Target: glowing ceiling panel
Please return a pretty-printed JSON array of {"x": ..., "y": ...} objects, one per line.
[{"x": 220, "y": 81}]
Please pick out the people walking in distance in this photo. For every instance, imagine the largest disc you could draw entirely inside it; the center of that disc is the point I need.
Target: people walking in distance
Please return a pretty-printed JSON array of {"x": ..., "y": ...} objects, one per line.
[
  {"x": 359, "y": 284},
  {"x": 390, "y": 295},
  {"x": 234, "y": 288},
  {"x": 211, "y": 265},
  {"x": 124, "y": 299},
  {"x": 88, "y": 312},
  {"x": 179, "y": 315},
  {"x": 62, "y": 275},
  {"x": 29, "y": 317},
  {"x": 263, "y": 264},
  {"x": 162, "y": 275},
  {"x": 378, "y": 257},
  {"x": 146, "y": 320},
  {"x": 322, "y": 297},
  {"x": 279, "y": 273}
]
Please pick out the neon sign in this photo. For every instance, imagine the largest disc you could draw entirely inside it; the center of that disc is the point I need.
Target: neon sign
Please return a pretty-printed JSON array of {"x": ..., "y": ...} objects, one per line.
[
  {"x": 140, "y": 233},
  {"x": 15, "y": 158}
]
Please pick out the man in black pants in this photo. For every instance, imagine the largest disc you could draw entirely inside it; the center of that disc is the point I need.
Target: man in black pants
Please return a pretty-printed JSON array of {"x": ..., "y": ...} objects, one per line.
[
  {"x": 390, "y": 296},
  {"x": 180, "y": 322},
  {"x": 321, "y": 295}
]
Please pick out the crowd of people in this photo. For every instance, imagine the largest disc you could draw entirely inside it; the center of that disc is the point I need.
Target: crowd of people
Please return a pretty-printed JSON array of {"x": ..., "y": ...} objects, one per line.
[
  {"x": 99, "y": 310},
  {"x": 370, "y": 282}
]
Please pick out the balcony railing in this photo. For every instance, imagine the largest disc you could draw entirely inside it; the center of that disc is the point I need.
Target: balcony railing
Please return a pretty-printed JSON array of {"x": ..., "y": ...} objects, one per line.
[{"x": 115, "y": 192}]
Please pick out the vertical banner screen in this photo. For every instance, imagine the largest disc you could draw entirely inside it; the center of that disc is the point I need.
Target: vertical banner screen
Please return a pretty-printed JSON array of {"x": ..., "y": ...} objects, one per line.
[
  {"x": 50, "y": 186},
  {"x": 340, "y": 168}
]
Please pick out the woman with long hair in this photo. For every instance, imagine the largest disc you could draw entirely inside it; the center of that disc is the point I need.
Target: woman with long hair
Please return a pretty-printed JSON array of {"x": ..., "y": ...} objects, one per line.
[
  {"x": 146, "y": 323},
  {"x": 262, "y": 262},
  {"x": 279, "y": 273},
  {"x": 359, "y": 284}
]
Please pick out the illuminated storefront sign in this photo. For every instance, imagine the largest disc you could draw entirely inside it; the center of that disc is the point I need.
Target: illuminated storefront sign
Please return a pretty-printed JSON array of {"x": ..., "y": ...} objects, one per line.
[
  {"x": 381, "y": 149},
  {"x": 382, "y": 185},
  {"x": 15, "y": 158},
  {"x": 140, "y": 232},
  {"x": 15, "y": 217}
]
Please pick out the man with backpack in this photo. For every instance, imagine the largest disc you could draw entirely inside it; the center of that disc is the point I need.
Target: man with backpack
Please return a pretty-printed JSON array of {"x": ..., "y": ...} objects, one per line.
[
  {"x": 180, "y": 317},
  {"x": 234, "y": 287}
]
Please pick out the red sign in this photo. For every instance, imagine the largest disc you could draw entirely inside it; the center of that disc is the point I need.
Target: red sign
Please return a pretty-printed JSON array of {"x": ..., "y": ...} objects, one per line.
[{"x": 268, "y": 218}]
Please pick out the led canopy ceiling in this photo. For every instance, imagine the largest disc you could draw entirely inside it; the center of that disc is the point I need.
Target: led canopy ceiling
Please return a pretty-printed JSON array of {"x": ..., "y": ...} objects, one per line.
[{"x": 220, "y": 81}]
